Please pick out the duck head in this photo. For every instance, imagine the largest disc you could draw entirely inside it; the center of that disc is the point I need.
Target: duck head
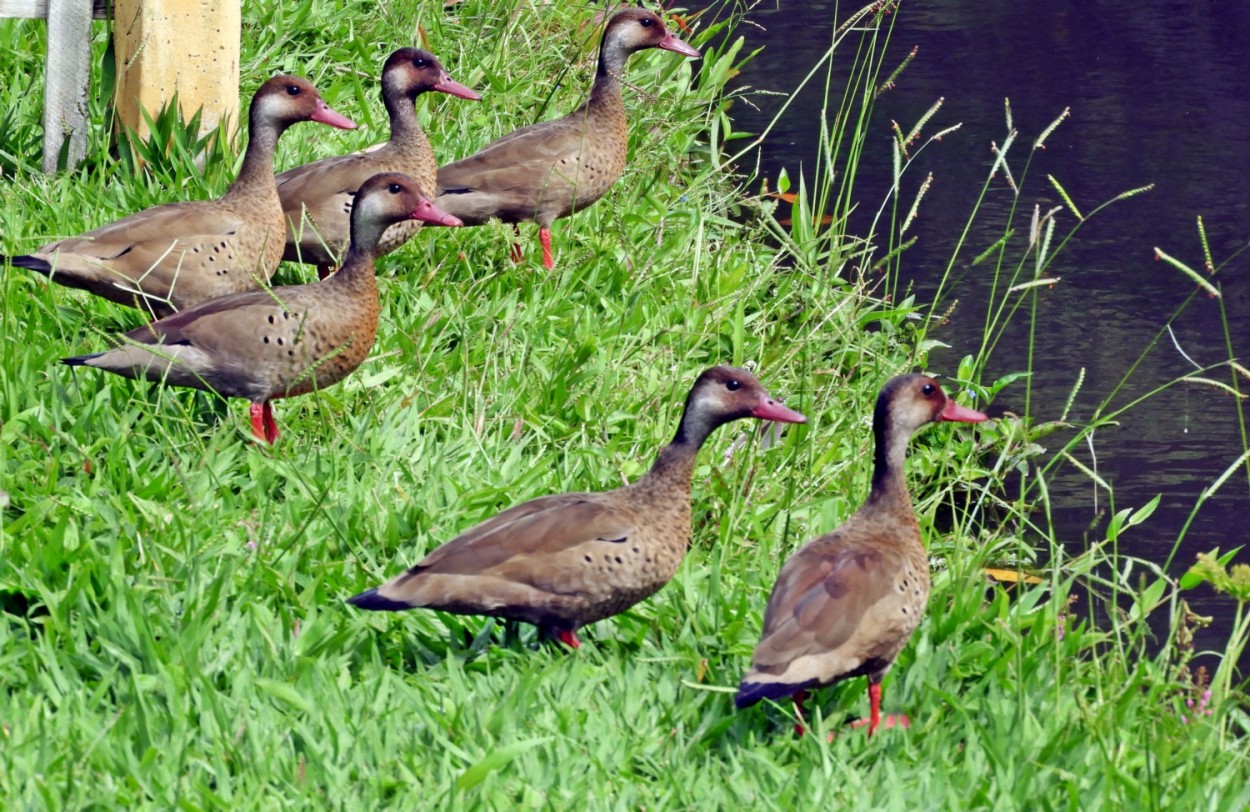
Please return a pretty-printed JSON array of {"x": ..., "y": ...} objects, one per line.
[{"x": 411, "y": 71}]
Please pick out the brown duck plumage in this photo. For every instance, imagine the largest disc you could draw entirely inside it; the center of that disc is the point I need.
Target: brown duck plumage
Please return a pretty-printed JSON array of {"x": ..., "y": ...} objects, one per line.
[
  {"x": 551, "y": 169},
  {"x": 317, "y": 197},
  {"x": 177, "y": 255},
  {"x": 277, "y": 342},
  {"x": 846, "y": 603},
  {"x": 563, "y": 561}
]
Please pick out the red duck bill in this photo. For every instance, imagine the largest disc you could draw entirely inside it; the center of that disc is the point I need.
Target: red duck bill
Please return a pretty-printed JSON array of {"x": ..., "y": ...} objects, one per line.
[
  {"x": 327, "y": 115},
  {"x": 770, "y": 409},
  {"x": 671, "y": 43},
  {"x": 960, "y": 414},
  {"x": 448, "y": 85},
  {"x": 429, "y": 213}
]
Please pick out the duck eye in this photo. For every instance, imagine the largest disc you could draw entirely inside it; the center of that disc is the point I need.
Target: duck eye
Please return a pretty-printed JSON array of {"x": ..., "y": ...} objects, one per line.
[
  {"x": 734, "y": 385},
  {"x": 292, "y": 90},
  {"x": 928, "y": 389},
  {"x": 419, "y": 62},
  {"x": 646, "y": 23},
  {"x": 395, "y": 188}
]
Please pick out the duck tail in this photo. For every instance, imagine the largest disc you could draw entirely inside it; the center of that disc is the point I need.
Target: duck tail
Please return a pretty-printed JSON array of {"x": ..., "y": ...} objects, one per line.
[
  {"x": 80, "y": 360},
  {"x": 374, "y": 602},
  {"x": 751, "y": 692},
  {"x": 30, "y": 263}
]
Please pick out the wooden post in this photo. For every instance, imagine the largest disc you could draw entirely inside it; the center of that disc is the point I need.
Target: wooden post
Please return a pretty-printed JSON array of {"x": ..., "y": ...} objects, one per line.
[{"x": 188, "y": 47}]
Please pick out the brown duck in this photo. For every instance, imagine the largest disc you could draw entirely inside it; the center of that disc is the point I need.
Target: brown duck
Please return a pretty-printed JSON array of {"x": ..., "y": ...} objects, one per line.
[
  {"x": 176, "y": 255},
  {"x": 846, "y": 603},
  {"x": 551, "y": 169},
  {"x": 277, "y": 342},
  {"x": 560, "y": 562},
  {"x": 317, "y": 197}
]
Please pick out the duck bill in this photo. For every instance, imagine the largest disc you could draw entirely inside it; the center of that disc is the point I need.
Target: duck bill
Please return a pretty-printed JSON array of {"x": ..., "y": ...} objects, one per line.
[
  {"x": 769, "y": 409},
  {"x": 960, "y": 414},
  {"x": 429, "y": 213},
  {"x": 448, "y": 85},
  {"x": 671, "y": 43},
  {"x": 326, "y": 115}
]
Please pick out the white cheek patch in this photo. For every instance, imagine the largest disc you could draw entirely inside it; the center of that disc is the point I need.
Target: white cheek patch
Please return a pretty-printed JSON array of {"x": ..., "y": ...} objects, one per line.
[
  {"x": 271, "y": 105},
  {"x": 371, "y": 206},
  {"x": 922, "y": 411},
  {"x": 718, "y": 400}
]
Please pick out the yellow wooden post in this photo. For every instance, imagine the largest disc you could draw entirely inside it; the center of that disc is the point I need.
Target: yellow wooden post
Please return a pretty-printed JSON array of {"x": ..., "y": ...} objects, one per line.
[{"x": 190, "y": 47}]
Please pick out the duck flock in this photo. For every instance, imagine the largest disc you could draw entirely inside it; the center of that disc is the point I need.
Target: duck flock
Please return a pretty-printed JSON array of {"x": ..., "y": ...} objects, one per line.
[{"x": 845, "y": 603}]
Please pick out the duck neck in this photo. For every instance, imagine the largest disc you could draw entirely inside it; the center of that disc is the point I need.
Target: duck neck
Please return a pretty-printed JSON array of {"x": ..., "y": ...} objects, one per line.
[
  {"x": 405, "y": 127},
  {"x": 673, "y": 468},
  {"x": 256, "y": 175},
  {"x": 675, "y": 464},
  {"x": 889, "y": 483},
  {"x": 607, "y": 89},
  {"x": 356, "y": 273},
  {"x": 357, "y": 270}
]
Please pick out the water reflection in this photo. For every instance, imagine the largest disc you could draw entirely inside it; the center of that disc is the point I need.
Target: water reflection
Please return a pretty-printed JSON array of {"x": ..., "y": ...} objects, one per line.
[{"x": 1157, "y": 96}]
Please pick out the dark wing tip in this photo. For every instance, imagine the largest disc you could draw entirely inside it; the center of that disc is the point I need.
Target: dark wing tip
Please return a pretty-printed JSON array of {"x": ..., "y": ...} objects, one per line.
[
  {"x": 374, "y": 602},
  {"x": 751, "y": 692},
  {"x": 29, "y": 263},
  {"x": 80, "y": 360}
]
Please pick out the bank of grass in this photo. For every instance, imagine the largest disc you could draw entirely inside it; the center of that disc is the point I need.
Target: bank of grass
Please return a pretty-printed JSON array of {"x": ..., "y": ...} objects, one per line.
[{"x": 174, "y": 631}]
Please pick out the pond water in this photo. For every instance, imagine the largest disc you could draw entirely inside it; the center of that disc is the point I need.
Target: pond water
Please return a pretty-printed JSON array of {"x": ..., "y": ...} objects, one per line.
[{"x": 1157, "y": 95}]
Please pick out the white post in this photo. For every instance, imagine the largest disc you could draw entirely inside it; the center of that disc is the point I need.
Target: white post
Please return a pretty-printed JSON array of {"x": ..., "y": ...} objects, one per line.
[{"x": 68, "y": 75}]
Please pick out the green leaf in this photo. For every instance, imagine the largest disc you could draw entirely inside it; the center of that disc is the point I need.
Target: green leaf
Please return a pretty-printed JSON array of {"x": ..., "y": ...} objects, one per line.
[
  {"x": 1007, "y": 380},
  {"x": 1191, "y": 579},
  {"x": 1142, "y": 513},
  {"x": 284, "y": 692},
  {"x": 494, "y": 760},
  {"x": 967, "y": 366},
  {"x": 1148, "y": 599}
]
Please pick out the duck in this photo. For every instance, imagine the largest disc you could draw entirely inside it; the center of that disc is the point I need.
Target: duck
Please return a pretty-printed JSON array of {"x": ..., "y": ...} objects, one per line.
[
  {"x": 561, "y": 562},
  {"x": 317, "y": 197},
  {"x": 277, "y": 342},
  {"x": 177, "y": 255},
  {"x": 846, "y": 603},
  {"x": 551, "y": 169}
]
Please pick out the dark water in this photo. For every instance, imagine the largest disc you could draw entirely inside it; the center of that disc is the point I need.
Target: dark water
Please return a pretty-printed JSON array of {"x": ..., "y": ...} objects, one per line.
[{"x": 1159, "y": 93}]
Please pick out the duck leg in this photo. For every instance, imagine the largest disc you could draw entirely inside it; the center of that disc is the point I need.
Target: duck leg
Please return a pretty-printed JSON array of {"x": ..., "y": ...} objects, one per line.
[
  {"x": 517, "y": 256},
  {"x": 874, "y": 713},
  {"x": 566, "y": 636},
  {"x": 258, "y": 428},
  {"x": 799, "y": 697},
  {"x": 264, "y": 427},
  {"x": 271, "y": 425},
  {"x": 544, "y": 237},
  {"x": 874, "y": 705}
]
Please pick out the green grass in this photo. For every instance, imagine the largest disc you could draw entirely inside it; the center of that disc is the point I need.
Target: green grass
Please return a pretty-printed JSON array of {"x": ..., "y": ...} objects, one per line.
[{"x": 174, "y": 631}]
